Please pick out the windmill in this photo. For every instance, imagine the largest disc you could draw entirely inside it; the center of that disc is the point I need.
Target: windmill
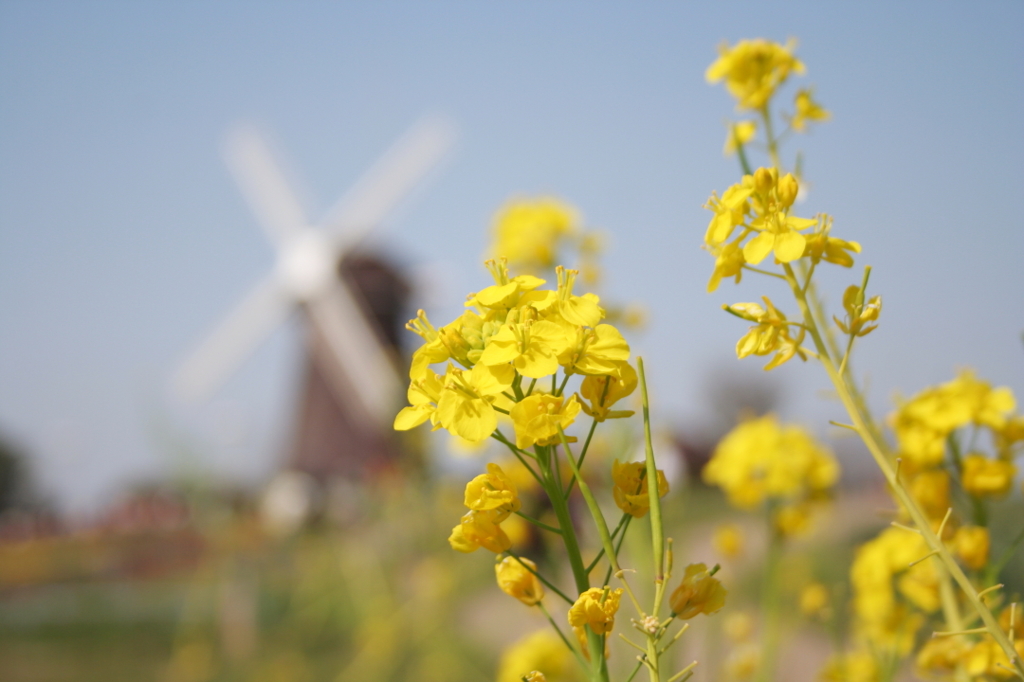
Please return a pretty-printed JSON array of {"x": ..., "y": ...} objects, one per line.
[{"x": 352, "y": 378}]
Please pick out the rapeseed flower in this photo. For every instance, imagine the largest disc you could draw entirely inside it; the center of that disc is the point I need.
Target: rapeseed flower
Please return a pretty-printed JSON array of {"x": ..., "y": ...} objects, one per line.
[
  {"x": 600, "y": 392},
  {"x": 986, "y": 477},
  {"x": 538, "y": 651},
  {"x": 761, "y": 459},
  {"x": 881, "y": 570},
  {"x": 778, "y": 231},
  {"x": 519, "y": 581},
  {"x": 493, "y": 491},
  {"x": 596, "y": 607},
  {"x": 728, "y": 540},
  {"x": 529, "y": 232},
  {"x": 630, "y": 488},
  {"x": 753, "y": 70},
  {"x": 769, "y": 335},
  {"x": 859, "y": 312},
  {"x": 806, "y": 110},
  {"x": 972, "y": 546},
  {"x": 596, "y": 351},
  {"x": 739, "y": 134},
  {"x": 479, "y": 529},
  {"x": 699, "y": 592},
  {"x": 538, "y": 417},
  {"x": 506, "y": 290},
  {"x": 466, "y": 405},
  {"x": 423, "y": 394},
  {"x": 532, "y": 347}
]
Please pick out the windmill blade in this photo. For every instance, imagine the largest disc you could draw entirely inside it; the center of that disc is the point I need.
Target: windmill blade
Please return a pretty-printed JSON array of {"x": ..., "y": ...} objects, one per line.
[
  {"x": 362, "y": 358},
  {"x": 388, "y": 181},
  {"x": 266, "y": 307},
  {"x": 263, "y": 184}
]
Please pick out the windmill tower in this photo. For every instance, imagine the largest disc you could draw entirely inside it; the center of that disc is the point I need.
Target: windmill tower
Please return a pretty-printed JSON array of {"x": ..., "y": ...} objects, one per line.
[{"x": 347, "y": 300}]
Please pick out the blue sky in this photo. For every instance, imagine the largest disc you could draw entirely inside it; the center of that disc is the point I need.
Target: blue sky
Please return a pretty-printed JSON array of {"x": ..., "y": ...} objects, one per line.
[{"x": 123, "y": 237}]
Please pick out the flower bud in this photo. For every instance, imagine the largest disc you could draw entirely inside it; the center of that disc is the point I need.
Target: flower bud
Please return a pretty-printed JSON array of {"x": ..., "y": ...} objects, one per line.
[
  {"x": 787, "y": 190},
  {"x": 764, "y": 180}
]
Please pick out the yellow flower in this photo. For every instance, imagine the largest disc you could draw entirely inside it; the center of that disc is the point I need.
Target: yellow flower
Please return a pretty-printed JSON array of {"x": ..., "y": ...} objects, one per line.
[
  {"x": 604, "y": 391},
  {"x": 792, "y": 519},
  {"x": 859, "y": 312},
  {"x": 930, "y": 489},
  {"x": 531, "y": 346},
  {"x": 423, "y": 395},
  {"x": 563, "y": 304},
  {"x": 738, "y": 626},
  {"x": 465, "y": 406},
  {"x": 728, "y": 540},
  {"x": 538, "y": 417},
  {"x": 924, "y": 423},
  {"x": 972, "y": 545},
  {"x": 739, "y": 134},
  {"x": 493, "y": 491},
  {"x": 769, "y": 335},
  {"x": 753, "y": 70},
  {"x": 941, "y": 656},
  {"x": 630, "y": 492},
  {"x": 517, "y": 581},
  {"x": 596, "y": 607},
  {"x": 600, "y": 350},
  {"x": 730, "y": 211},
  {"x": 760, "y": 459},
  {"x": 858, "y": 666},
  {"x": 986, "y": 477},
  {"x": 778, "y": 231},
  {"x": 988, "y": 658},
  {"x": 807, "y": 110},
  {"x": 479, "y": 529},
  {"x": 506, "y": 290},
  {"x": 698, "y": 593},
  {"x": 541, "y": 650},
  {"x": 822, "y": 247},
  {"x": 880, "y": 568},
  {"x": 529, "y": 232},
  {"x": 729, "y": 262},
  {"x": 814, "y": 600}
]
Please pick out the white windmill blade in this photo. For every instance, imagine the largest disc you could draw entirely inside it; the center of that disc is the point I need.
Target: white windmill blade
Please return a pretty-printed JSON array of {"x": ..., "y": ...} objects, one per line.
[
  {"x": 388, "y": 181},
  {"x": 358, "y": 350},
  {"x": 263, "y": 184},
  {"x": 231, "y": 342}
]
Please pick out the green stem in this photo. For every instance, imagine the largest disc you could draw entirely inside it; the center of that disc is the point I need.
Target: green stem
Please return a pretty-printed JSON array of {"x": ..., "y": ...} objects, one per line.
[
  {"x": 770, "y": 603},
  {"x": 539, "y": 524},
  {"x": 653, "y": 493},
  {"x": 583, "y": 454},
  {"x": 623, "y": 522},
  {"x": 539, "y": 576},
  {"x": 574, "y": 650},
  {"x": 618, "y": 548}
]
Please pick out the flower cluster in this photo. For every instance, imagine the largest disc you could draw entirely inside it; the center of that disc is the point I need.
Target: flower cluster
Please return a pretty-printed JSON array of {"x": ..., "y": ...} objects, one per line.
[
  {"x": 761, "y": 461},
  {"x": 753, "y": 70},
  {"x": 515, "y": 331},
  {"x": 925, "y": 423}
]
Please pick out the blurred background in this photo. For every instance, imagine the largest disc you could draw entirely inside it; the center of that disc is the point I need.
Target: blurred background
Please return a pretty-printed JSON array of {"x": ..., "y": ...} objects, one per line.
[{"x": 130, "y": 508}]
